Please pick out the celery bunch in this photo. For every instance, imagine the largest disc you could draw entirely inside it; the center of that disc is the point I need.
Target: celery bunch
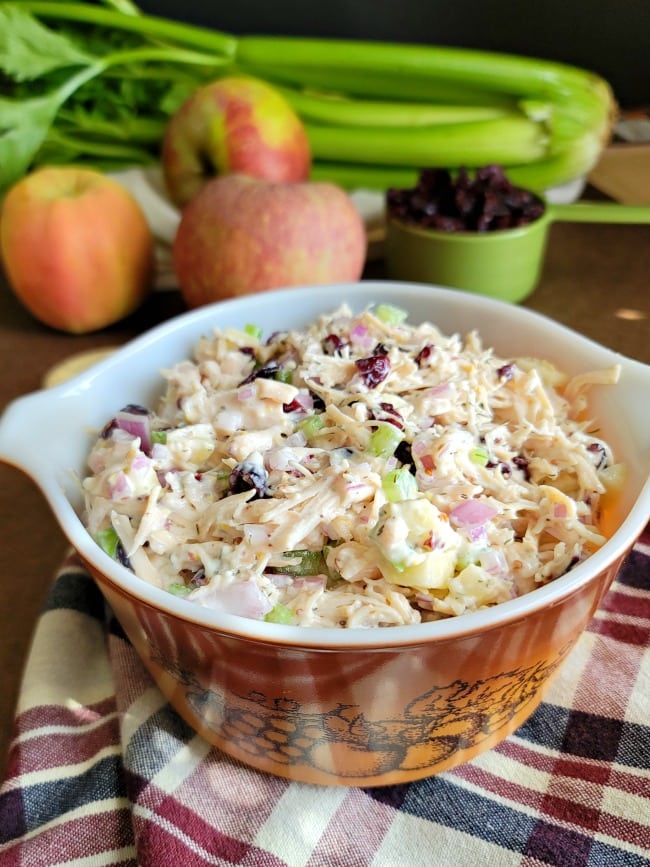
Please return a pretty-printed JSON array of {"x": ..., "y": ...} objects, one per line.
[{"x": 82, "y": 82}]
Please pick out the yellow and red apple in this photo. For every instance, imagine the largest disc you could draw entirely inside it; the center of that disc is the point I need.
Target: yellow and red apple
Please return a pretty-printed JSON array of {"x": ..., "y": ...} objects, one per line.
[
  {"x": 76, "y": 248},
  {"x": 240, "y": 235},
  {"x": 236, "y": 124}
]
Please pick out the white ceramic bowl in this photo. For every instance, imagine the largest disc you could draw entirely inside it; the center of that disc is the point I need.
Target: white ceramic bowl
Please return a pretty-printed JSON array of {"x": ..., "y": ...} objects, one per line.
[{"x": 341, "y": 706}]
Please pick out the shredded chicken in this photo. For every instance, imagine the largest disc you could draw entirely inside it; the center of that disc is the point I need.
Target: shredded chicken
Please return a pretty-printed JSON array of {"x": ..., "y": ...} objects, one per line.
[{"x": 361, "y": 472}]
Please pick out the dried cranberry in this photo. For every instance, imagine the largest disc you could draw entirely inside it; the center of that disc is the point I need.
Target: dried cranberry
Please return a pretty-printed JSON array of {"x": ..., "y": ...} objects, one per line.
[
  {"x": 122, "y": 557},
  {"x": 390, "y": 414},
  {"x": 373, "y": 370},
  {"x": 404, "y": 454},
  {"x": 266, "y": 371},
  {"x": 333, "y": 344},
  {"x": 506, "y": 469},
  {"x": 423, "y": 354},
  {"x": 249, "y": 476},
  {"x": 486, "y": 202},
  {"x": 108, "y": 429},
  {"x": 522, "y": 464},
  {"x": 135, "y": 409},
  {"x": 275, "y": 337},
  {"x": 506, "y": 372},
  {"x": 294, "y": 406},
  {"x": 599, "y": 450}
]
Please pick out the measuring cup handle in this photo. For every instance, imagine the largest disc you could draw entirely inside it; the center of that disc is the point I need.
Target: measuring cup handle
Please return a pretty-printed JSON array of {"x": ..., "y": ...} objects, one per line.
[{"x": 599, "y": 212}]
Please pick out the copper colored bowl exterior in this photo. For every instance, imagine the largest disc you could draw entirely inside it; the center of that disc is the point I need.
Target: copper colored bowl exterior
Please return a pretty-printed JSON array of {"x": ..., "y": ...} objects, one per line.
[{"x": 356, "y": 717}]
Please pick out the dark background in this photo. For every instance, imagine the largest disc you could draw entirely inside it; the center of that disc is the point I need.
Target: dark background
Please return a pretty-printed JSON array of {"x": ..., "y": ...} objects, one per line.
[{"x": 611, "y": 37}]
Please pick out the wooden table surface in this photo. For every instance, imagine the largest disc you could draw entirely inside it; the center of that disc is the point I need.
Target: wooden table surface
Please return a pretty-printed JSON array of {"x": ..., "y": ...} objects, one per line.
[{"x": 596, "y": 279}]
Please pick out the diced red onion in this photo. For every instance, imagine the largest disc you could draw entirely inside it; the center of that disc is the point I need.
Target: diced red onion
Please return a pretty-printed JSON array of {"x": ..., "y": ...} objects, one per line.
[
  {"x": 305, "y": 400},
  {"x": 280, "y": 579},
  {"x": 477, "y": 533},
  {"x": 419, "y": 447},
  {"x": 140, "y": 463},
  {"x": 279, "y": 459},
  {"x": 246, "y": 392},
  {"x": 471, "y": 513},
  {"x": 159, "y": 452},
  {"x": 121, "y": 487},
  {"x": 424, "y": 601},
  {"x": 136, "y": 424},
  {"x": 361, "y": 338},
  {"x": 296, "y": 440},
  {"x": 442, "y": 390},
  {"x": 310, "y": 582},
  {"x": 242, "y": 597},
  {"x": 493, "y": 561}
]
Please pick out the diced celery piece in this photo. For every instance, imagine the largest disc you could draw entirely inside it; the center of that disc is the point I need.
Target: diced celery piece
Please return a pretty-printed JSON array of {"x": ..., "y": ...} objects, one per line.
[
  {"x": 283, "y": 375},
  {"x": 280, "y": 614},
  {"x": 159, "y": 436},
  {"x": 253, "y": 330},
  {"x": 384, "y": 440},
  {"x": 178, "y": 589},
  {"x": 389, "y": 314},
  {"x": 479, "y": 455},
  {"x": 311, "y": 425},
  {"x": 399, "y": 484},
  {"x": 108, "y": 540},
  {"x": 308, "y": 563}
]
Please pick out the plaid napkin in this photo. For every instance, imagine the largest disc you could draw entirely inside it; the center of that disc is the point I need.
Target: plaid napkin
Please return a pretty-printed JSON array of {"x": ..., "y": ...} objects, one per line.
[{"x": 103, "y": 772}]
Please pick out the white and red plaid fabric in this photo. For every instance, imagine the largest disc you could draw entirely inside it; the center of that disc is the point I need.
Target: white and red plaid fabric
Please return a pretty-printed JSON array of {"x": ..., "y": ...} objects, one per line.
[{"x": 103, "y": 772}]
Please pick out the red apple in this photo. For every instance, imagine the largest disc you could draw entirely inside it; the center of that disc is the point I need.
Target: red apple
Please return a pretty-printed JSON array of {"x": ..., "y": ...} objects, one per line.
[
  {"x": 234, "y": 124},
  {"x": 76, "y": 248},
  {"x": 241, "y": 235}
]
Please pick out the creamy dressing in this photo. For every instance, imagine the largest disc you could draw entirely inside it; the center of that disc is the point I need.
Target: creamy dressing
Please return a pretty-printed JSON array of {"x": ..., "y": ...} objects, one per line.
[{"x": 362, "y": 472}]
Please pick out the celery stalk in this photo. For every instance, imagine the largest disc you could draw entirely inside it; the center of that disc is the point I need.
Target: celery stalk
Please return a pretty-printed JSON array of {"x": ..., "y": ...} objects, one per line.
[
  {"x": 280, "y": 614},
  {"x": 558, "y": 168},
  {"x": 361, "y": 83},
  {"x": 488, "y": 71},
  {"x": 384, "y": 440},
  {"x": 343, "y": 111},
  {"x": 358, "y": 176},
  {"x": 152, "y": 26},
  {"x": 509, "y": 141},
  {"x": 424, "y": 105}
]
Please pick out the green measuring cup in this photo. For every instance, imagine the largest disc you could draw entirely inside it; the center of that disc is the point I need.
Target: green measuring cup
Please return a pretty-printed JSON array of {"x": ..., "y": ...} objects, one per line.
[{"x": 505, "y": 263}]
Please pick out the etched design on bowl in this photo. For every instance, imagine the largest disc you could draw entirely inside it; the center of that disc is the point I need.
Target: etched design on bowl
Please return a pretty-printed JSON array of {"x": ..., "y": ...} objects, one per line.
[{"x": 342, "y": 741}]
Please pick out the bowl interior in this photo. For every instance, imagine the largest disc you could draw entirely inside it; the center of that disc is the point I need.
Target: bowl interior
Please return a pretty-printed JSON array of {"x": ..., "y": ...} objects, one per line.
[{"x": 54, "y": 454}]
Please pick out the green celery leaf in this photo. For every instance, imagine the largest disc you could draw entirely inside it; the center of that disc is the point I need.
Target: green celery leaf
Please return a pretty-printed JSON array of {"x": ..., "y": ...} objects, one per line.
[
  {"x": 24, "y": 125},
  {"x": 29, "y": 50}
]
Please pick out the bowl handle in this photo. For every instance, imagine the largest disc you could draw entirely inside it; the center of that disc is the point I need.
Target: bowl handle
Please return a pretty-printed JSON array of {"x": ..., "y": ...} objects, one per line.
[
  {"x": 35, "y": 430},
  {"x": 16, "y": 428}
]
